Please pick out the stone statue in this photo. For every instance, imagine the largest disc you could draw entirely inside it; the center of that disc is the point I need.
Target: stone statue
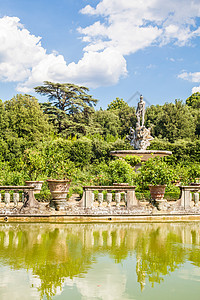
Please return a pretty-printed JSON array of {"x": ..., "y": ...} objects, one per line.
[
  {"x": 140, "y": 137},
  {"x": 140, "y": 112}
]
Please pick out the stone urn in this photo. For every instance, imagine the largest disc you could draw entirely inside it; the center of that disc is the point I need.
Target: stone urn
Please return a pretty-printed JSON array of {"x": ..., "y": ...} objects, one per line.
[
  {"x": 157, "y": 191},
  {"x": 59, "y": 190},
  {"x": 36, "y": 184}
]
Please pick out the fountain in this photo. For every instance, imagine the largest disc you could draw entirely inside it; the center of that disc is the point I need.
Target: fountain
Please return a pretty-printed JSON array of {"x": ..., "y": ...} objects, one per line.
[{"x": 140, "y": 138}]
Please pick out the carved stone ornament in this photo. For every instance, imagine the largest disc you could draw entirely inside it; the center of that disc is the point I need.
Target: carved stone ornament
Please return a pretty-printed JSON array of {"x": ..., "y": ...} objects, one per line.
[{"x": 140, "y": 137}]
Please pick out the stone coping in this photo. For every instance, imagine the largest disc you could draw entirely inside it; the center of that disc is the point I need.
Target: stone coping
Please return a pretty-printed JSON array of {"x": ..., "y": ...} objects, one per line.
[
  {"x": 144, "y": 154},
  {"x": 109, "y": 187},
  {"x": 16, "y": 187},
  {"x": 164, "y": 218}
]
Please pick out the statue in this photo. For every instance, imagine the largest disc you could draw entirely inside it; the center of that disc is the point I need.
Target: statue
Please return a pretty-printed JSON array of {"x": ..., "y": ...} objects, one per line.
[
  {"x": 140, "y": 112},
  {"x": 140, "y": 137}
]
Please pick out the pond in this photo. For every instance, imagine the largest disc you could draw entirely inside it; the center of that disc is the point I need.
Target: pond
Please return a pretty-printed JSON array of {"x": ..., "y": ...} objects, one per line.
[{"x": 107, "y": 261}]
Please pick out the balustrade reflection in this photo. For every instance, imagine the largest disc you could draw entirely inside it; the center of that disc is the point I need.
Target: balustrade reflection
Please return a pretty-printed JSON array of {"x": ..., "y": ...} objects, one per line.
[{"x": 57, "y": 251}]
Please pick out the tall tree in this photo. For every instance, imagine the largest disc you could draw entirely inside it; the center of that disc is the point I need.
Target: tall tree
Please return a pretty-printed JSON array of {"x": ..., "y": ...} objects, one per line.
[
  {"x": 26, "y": 119},
  {"x": 171, "y": 121},
  {"x": 68, "y": 97},
  {"x": 125, "y": 113}
]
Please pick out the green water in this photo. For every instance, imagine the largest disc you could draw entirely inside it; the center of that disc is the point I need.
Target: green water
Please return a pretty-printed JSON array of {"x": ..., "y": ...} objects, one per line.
[{"x": 100, "y": 261}]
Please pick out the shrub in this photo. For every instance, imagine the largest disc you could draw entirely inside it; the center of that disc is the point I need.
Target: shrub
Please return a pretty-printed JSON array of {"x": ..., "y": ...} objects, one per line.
[{"x": 156, "y": 172}]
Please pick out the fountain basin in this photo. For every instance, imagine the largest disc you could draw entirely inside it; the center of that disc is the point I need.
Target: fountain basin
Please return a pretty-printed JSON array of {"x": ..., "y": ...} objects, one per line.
[{"x": 143, "y": 154}]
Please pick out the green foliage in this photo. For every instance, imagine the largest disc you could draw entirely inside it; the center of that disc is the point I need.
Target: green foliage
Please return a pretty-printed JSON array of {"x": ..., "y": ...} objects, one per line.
[
  {"x": 133, "y": 160},
  {"x": 26, "y": 119},
  {"x": 194, "y": 100},
  {"x": 125, "y": 113},
  {"x": 81, "y": 151},
  {"x": 109, "y": 122},
  {"x": 66, "y": 137},
  {"x": 182, "y": 150},
  {"x": 120, "y": 171},
  {"x": 34, "y": 164},
  {"x": 68, "y": 97},
  {"x": 194, "y": 172},
  {"x": 117, "y": 104},
  {"x": 171, "y": 121},
  {"x": 155, "y": 172}
]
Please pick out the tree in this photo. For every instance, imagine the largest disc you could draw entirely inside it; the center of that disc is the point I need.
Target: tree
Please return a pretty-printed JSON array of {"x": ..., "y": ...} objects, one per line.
[
  {"x": 125, "y": 113},
  {"x": 26, "y": 119},
  {"x": 171, "y": 121},
  {"x": 117, "y": 104},
  {"x": 194, "y": 100},
  {"x": 68, "y": 97},
  {"x": 109, "y": 122},
  {"x": 56, "y": 116}
]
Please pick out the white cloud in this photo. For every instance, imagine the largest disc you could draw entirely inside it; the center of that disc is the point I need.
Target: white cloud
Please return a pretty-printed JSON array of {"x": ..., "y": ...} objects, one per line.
[
  {"x": 133, "y": 25},
  {"x": 120, "y": 29},
  {"x": 94, "y": 68},
  {"x": 193, "y": 77},
  {"x": 196, "y": 89},
  {"x": 24, "y": 60}
]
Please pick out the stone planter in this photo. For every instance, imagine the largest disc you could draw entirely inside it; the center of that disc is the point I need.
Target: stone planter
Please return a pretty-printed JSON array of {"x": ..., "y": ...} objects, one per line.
[
  {"x": 157, "y": 191},
  {"x": 59, "y": 190},
  {"x": 36, "y": 184}
]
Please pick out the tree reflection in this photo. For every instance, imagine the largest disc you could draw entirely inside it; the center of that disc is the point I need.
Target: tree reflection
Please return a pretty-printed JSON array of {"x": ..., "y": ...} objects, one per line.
[{"x": 55, "y": 252}]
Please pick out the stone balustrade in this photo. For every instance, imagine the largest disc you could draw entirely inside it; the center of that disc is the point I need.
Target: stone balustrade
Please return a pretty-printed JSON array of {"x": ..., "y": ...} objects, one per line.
[
  {"x": 113, "y": 196},
  {"x": 186, "y": 195},
  {"x": 15, "y": 193}
]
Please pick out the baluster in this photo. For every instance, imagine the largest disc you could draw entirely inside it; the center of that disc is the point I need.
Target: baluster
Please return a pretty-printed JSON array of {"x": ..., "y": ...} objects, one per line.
[
  {"x": 100, "y": 198},
  {"x": 109, "y": 198},
  {"x": 15, "y": 199},
  {"x": 7, "y": 199},
  {"x": 117, "y": 198}
]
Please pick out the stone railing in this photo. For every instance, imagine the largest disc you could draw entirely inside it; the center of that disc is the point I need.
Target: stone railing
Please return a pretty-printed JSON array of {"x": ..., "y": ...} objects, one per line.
[
  {"x": 113, "y": 196},
  {"x": 26, "y": 192},
  {"x": 186, "y": 196}
]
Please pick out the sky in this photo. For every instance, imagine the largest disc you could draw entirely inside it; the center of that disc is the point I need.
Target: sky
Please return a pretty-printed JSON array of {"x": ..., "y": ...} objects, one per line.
[{"x": 115, "y": 48}]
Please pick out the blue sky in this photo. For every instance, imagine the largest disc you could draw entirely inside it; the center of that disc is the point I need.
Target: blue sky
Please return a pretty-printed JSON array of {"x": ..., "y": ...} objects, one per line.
[{"x": 114, "y": 47}]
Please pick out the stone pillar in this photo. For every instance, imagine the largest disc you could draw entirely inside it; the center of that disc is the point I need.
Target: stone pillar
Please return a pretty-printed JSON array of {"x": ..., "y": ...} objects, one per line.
[
  {"x": 100, "y": 198},
  {"x": 131, "y": 199},
  {"x": 117, "y": 198},
  {"x": 185, "y": 197},
  {"x": 7, "y": 199},
  {"x": 88, "y": 199},
  {"x": 109, "y": 198},
  {"x": 16, "y": 199}
]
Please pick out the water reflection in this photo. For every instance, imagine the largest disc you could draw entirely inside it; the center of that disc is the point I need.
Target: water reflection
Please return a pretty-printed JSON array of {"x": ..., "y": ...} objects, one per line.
[{"x": 58, "y": 255}]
